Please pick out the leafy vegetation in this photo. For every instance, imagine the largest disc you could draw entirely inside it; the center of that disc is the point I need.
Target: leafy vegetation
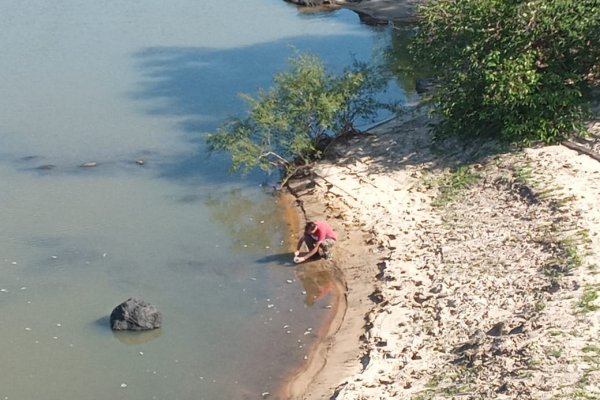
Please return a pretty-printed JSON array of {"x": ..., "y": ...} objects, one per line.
[
  {"x": 514, "y": 70},
  {"x": 566, "y": 260},
  {"x": 290, "y": 125},
  {"x": 588, "y": 299}
]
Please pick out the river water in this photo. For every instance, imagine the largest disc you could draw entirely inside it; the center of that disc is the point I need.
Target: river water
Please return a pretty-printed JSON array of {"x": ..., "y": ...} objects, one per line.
[{"x": 130, "y": 86}]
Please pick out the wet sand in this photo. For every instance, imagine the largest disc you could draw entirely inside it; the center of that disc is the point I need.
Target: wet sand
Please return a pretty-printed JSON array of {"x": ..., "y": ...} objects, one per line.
[{"x": 331, "y": 332}]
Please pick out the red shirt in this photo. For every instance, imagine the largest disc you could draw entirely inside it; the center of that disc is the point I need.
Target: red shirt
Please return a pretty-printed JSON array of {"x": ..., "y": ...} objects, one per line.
[{"x": 324, "y": 231}]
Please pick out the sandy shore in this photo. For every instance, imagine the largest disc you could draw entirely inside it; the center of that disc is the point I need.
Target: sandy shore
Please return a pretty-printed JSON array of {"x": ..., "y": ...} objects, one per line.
[{"x": 491, "y": 292}]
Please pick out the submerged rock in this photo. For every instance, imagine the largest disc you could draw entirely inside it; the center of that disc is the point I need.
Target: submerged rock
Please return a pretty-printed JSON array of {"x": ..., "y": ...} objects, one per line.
[
  {"x": 310, "y": 3},
  {"x": 135, "y": 315},
  {"x": 46, "y": 167}
]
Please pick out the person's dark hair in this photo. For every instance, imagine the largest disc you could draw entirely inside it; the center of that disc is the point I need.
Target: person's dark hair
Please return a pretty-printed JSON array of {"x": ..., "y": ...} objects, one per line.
[{"x": 309, "y": 227}]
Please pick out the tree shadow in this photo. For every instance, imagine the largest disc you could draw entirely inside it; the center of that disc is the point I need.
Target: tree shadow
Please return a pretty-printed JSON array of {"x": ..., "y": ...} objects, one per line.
[
  {"x": 408, "y": 141},
  {"x": 199, "y": 88}
]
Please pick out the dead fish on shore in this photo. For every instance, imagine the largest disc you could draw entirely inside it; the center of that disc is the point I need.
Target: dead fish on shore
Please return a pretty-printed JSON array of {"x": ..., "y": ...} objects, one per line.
[{"x": 89, "y": 164}]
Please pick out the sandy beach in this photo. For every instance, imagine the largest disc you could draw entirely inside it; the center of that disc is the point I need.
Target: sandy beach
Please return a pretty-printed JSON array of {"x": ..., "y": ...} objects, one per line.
[
  {"x": 489, "y": 293},
  {"x": 465, "y": 272}
]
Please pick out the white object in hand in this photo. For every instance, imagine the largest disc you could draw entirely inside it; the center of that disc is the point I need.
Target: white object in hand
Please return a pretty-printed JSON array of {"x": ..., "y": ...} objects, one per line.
[{"x": 297, "y": 259}]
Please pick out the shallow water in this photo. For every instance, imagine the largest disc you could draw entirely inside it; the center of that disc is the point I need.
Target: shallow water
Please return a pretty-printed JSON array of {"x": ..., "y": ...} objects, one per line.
[{"x": 113, "y": 83}]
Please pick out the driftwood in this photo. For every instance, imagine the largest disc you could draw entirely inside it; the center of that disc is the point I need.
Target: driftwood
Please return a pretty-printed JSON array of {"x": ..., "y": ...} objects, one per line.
[{"x": 581, "y": 149}]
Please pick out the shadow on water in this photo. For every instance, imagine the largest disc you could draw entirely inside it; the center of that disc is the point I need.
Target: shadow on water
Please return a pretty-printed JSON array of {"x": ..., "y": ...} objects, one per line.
[
  {"x": 200, "y": 87},
  {"x": 103, "y": 322},
  {"x": 135, "y": 338},
  {"x": 283, "y": 259},
  {"x": 127, "y": 337}
]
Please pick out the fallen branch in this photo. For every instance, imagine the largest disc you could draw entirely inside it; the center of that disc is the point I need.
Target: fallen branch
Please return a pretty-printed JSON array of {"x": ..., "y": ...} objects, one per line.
[{"x": 581, "y": 149}]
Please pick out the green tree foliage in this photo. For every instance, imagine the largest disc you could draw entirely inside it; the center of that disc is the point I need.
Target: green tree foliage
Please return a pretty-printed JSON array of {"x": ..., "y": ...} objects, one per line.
[
  {"x": 289, "y": 125},
  {"x": 513, "y": 69}
]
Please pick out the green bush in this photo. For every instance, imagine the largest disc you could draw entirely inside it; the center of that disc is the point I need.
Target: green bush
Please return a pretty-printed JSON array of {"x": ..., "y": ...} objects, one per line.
[
  {"x": 511, "y": 69},
  {"x": 289, "y": 125}
]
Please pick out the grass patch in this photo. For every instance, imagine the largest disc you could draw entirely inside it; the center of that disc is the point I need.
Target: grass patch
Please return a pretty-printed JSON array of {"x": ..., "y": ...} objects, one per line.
[
  {"x": 423, "y": 396},
  {"x": 523, "y": 175},
  {"x": 566, "y": 259},
  {"x": 581, "y": 394},
  {"x": 452, "y": 185},
  {"x": 584, "y": 236},
  {"x": 590, "y": 295},
  {"x": 539, "y": 306},
  {"x": 556, "y": 353},
  {"x": 434, "y": 382},
  {"x": 570, "y": 253},
  {"x": 591, "y": 348},
  {"x": 457, "y": 390}
]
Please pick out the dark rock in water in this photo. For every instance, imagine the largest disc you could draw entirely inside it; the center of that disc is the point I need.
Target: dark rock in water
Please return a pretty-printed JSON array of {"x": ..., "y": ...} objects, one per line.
[
  {"x": 46, "y": 167},
  {"x": 135, "y": 315},
  {"x": 310, "y": 3}
]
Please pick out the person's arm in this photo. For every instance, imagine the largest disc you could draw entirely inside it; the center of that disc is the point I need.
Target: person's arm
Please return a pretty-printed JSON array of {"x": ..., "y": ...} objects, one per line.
[
  {"x": 299, "y": 245},
  {"x": 310, "y": 253}
]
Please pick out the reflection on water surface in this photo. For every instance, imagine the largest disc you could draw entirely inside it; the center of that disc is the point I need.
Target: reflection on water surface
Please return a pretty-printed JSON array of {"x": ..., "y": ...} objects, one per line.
[{"x": 115, "y": 84}]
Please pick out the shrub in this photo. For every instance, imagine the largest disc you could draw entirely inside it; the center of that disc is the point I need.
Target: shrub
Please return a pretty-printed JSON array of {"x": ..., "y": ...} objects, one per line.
[{"x": 512, "y": 69}]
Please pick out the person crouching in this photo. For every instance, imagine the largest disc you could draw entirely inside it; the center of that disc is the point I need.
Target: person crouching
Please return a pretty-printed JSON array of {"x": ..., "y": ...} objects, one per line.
[{"x": 317, "y": 235}]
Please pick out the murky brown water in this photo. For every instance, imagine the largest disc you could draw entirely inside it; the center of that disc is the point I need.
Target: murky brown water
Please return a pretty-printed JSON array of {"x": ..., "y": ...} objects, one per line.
[{"x": 117, "y": 83}]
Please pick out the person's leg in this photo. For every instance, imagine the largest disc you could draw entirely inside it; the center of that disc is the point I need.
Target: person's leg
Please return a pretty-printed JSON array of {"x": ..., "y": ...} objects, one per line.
[
  {"x": 326, "y": 245},
  {"x": 310, "y": 242}
]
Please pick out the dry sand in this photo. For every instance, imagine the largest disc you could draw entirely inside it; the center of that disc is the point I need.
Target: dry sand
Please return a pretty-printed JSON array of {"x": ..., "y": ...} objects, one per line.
[
  {"x": 491, "y": 291},
  {"x": 487, "y": 292}
]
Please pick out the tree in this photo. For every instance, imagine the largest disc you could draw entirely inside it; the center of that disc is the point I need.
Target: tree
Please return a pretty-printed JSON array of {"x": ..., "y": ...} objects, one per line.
[
  {"x": 517, "y": 70},
  {"x": 289, "y": 125}
]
